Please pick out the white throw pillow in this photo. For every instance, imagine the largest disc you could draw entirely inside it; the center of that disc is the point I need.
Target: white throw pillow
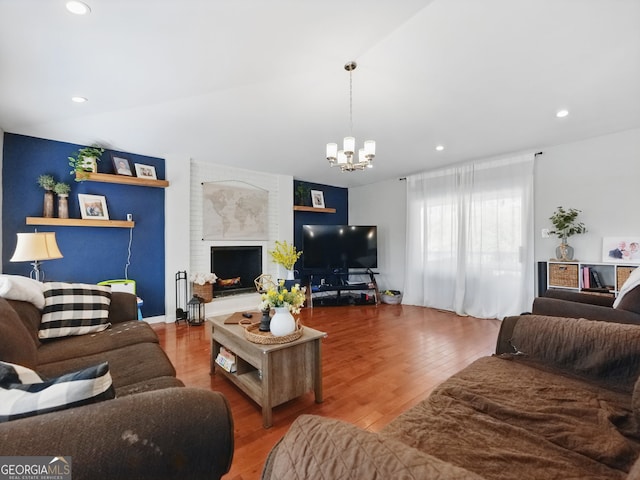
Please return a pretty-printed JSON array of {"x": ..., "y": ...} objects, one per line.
[{"x": 16, "y": 287}]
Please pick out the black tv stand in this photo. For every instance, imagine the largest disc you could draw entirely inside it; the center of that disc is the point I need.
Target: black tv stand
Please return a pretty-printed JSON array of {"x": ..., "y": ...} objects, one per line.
[{"x": 344, "y": 293}]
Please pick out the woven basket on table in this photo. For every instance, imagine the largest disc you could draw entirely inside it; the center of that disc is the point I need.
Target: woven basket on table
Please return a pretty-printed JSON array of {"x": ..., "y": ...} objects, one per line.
[
  {"x": 253, "y": 334},
  {"x": 205, "y": 292}
]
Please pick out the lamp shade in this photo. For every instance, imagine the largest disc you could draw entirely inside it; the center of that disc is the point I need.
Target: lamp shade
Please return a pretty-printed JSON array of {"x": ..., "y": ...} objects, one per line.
[{"x": 36, "y": 246}]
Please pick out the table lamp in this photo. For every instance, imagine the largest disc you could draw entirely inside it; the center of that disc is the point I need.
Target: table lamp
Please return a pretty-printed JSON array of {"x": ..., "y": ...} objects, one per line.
[{"x": 34, "y": 247}]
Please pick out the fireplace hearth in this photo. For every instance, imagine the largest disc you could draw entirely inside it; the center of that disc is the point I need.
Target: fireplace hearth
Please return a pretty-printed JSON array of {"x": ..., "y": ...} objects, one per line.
[{"x": 236, "y": 268}]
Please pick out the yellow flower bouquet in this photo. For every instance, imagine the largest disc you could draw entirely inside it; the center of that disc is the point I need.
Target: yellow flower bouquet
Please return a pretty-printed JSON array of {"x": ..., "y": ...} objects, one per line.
[
  {"x": 285, "y": 254},
  {"x": 282, "y": 297}
]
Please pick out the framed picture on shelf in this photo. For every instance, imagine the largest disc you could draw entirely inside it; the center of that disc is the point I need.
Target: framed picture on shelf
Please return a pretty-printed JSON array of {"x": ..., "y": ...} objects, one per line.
[
  {"x": 317, "y": 198},
  {"x": 621, "y": 249},
  {"x": 145, "y": 171},
  {"x": 121, "y": 165},
  {"x": 93, "y": 207}
]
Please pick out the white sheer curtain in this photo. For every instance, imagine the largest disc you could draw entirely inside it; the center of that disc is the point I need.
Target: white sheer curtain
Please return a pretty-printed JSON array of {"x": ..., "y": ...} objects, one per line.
[{"x": 470, "y": 238}]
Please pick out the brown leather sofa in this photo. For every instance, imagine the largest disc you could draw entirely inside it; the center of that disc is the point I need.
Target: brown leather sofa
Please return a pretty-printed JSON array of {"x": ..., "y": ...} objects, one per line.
[
  {"x": 560, "y": 399},
  {"x": 567, "y": 303},
  {"x": 155, "y": 428}
]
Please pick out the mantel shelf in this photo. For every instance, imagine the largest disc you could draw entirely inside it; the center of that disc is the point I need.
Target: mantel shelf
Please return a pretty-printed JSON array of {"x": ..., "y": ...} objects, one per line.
[
  {"x": 123, "y": 179},
  {"x": 300, "y": 208},
  {"x": 78, "y": 222}
]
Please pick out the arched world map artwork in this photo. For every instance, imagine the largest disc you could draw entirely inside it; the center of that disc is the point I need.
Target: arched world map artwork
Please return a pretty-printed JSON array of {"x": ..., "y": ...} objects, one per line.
[{"x": 234, "y": 213}]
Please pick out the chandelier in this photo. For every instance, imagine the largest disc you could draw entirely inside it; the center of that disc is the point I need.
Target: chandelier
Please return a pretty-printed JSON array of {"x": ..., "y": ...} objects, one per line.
[{"x": 345, "y": 158}]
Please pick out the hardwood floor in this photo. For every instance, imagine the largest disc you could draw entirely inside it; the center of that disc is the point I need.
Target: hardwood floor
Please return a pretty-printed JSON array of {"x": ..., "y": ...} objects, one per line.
[{"x": 377, "y": 363}]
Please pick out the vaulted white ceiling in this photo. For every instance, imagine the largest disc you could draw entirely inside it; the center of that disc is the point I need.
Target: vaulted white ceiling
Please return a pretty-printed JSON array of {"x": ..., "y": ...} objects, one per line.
[{"x": 260, "y": 84}]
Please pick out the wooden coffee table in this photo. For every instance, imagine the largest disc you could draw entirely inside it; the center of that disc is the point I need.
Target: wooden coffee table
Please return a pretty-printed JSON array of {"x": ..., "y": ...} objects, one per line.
[{"x": 270, "y": 374}]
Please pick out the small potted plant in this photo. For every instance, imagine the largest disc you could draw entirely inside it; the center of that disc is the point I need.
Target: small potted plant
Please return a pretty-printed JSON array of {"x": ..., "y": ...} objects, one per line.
[
  {"x": 62, "y": 190},
  {"x": 565, "y": 225},
  {"x": 48, "y": 183},
  {"x": 85, "y": 161}
]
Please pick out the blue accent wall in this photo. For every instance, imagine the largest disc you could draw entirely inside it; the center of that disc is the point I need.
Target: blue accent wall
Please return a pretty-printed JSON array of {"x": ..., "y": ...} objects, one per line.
[
  {"x": 334, "y": 197},
  {"x": 91, "y": 254}
]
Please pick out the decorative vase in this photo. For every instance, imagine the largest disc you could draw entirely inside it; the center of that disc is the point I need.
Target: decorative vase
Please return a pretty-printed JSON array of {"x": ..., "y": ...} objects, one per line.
[
  {"x": 265, "y": 321},
  {"x": 564, "y": 251},
  {"x": 47, "y": 208},
  {"x": 63, "y": 206},
  {"x": 282, "y": 323},
  {"x": 291, "y": 275}
]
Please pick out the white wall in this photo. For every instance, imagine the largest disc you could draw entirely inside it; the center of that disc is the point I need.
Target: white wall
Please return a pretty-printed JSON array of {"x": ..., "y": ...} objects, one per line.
[
  {"x": 599, "y": 176},
  {"x": 1, "y": 156},
  {"x": 177, "y": 205},
  {"x": 280, "y": 221},
  {"x": 384, "y": 204}
]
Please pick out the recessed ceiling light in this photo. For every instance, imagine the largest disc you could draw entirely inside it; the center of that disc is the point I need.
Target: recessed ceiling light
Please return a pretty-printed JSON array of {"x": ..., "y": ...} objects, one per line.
[
  {"x": 78, "y": 8},
  {"x": 562, "y": 113},
  {"x": 79, "y": 99},
  {"x": 440, "y": 148}
]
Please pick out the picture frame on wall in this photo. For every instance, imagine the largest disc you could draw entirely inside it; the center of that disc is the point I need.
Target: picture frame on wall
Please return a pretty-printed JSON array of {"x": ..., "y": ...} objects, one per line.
[
  {"x": 93, "y": 207},
  {"x": 317, "y": 198},
  {"x": 621, "y": 249},
  {"x": 121, "y": 165},
  {"x": 145, "y": 171}
]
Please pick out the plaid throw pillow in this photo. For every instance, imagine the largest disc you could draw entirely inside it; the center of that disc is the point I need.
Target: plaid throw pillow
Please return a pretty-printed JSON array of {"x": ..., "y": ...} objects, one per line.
[
  {"x": 74, "y": 309},
  {"x": 24, "y": 394}
]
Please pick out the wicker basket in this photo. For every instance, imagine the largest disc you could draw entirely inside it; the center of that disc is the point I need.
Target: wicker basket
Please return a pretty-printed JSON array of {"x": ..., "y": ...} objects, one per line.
[
  {"x": 622, "y": 273},
  {"x": 205, "y": 292},
  {"x": 254, "y": 335},
  {"x": 563, "y": 275}
]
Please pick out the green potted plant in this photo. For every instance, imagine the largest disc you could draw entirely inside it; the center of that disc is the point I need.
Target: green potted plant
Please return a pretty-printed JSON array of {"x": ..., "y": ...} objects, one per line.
[
  {"x": 85, "y": 161},
  {"x": 566, "y": 225},
  {"x": 302, "y": 194},
  {"x": 48, "y": 183},
  {"x": 62, "y": 190}
]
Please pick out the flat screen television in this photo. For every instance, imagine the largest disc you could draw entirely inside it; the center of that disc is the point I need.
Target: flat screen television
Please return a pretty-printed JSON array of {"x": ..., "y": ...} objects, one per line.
[{"x": 331, "y": 247}]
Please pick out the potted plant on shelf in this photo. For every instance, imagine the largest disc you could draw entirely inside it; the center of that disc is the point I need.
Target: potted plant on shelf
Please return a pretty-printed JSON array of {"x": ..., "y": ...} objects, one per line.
[
  {"x": 48, "y": 183},
  {"x": 565, "y": 225},
  {"x": 85, "y": 161},
  {"x": 285, "y": 255},
  {"x": 62, "y": 190}
]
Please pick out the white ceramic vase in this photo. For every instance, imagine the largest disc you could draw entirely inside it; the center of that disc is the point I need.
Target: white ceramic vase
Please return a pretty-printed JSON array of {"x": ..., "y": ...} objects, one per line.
[
  {"x": 291, "y": 275},
  {"x": 282, "y": 322}
]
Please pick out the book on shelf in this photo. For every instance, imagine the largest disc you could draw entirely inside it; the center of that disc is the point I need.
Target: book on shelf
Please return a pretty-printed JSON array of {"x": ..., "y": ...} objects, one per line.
[
  {"x": 227, "y": 360},
  {"x": 586, "y": 278}
]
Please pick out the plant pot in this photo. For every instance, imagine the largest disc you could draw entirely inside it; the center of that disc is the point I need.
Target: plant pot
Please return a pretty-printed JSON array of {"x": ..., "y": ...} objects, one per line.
[
  {"x": 63, "y": 206},
  {"x": 282, "y": 323},
  {"x": 564, "y": 251},
  {"x": 47, "y": 207}
]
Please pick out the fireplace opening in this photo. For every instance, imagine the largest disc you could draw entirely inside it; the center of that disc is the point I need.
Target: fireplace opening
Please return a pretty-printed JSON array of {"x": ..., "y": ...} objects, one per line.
[{"x": 236, "y": 269}]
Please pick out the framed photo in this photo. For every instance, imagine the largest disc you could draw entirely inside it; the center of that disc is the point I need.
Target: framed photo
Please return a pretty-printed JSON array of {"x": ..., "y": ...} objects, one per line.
[
  {"x": 145, "y": 171},
  {"x": 121, "y": 166},
  {"x": 317, "y": 198},
  {"x": 621, "y": 249},
  {"x": 93, "y": 207}
]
